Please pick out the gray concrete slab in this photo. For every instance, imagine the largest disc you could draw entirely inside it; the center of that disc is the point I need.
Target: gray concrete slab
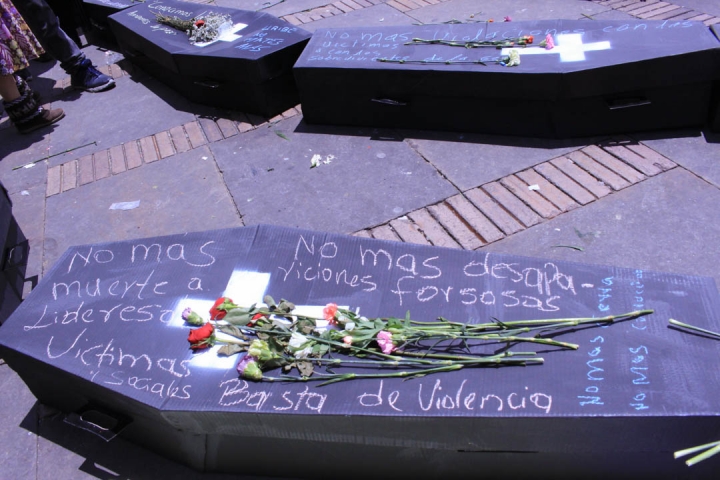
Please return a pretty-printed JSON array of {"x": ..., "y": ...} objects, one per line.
[
  {"x": 472, "y": 10},
  {"x": 18, "y": 447},
  {"x": 470, "y": 160},
  {"x": 668, "y": 223},
  {"x": 113, "y": 117},
  {"x": 183, "y": 193},
  {"x": 380, "y": 14},
  {"x": 367, "y": 181},
  {"x": 703, "y": 6},
  {"x": 253, "y": 5},
  {"x": 695, "y": 151},
  {"x": 29, "y": 211},
  {"x": 17, "y": 150},
  {"x": 610, "y": 15},
  {"x": 294, "y": 6},
  {"x": 36, "y": 443}
]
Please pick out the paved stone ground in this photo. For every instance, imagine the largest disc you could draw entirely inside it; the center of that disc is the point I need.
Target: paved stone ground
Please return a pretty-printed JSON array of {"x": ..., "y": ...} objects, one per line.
[{"x": 642, "y": 200}]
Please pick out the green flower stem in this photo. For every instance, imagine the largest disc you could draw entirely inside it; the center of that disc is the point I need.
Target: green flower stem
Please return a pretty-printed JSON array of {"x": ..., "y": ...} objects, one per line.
[
  {"x": 222, "y": 337},
  {"x": 503, "y": 339},
  {"x": 554, "y": 323},
  {"x": 334, "y": 378},
  {"x": 443, "y": 321},
  {"x": 438, "y": 62},
  {"x": 564, "y": 322},
  {"x": 713, "y": 449},
  {"x": 450, "y": 360},
  {"x": 693, "y": 327},
  {"x": 551, "y": 322},
  {"x": 462, "y": 357},
  {"x": 510, "y": 42},
  {"x": 383, "y": 363},
  {"x": 432, "y": 327},
  {"x": 688, "y": 451},
  {"x": 342, "y": 346}
]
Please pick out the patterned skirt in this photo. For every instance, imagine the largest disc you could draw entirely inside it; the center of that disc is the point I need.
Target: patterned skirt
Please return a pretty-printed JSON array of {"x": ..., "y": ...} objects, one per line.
[{"x": 18, "y": 45}]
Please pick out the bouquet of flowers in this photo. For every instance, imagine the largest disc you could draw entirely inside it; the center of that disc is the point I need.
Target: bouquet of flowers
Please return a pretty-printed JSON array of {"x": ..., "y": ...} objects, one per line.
[
  {"x": 201, "y": 29},
  {"x": 272, "y": 336}
]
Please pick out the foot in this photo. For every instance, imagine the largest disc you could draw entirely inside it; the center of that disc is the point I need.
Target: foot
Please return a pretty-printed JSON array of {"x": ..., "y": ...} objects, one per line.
[
  {"x": 46, "y": 117},
  {"x": 88, "y": 78}
]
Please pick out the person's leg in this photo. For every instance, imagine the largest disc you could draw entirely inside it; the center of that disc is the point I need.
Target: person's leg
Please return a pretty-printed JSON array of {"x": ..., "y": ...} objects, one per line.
[
  {"x": 22, "y": 106},
  {"x": 44, "y": 23},
  {"x": 8, "y": 88}
]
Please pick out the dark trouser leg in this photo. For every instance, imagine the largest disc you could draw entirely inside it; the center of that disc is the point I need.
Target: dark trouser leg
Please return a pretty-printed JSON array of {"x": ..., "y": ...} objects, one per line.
[{"x": 44, "y": 23}]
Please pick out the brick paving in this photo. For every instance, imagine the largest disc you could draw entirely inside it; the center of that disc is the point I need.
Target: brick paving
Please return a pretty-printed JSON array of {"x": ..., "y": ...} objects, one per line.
[
  {"x": 656, "y": 10},
  {"x": 500, "y": 208}
]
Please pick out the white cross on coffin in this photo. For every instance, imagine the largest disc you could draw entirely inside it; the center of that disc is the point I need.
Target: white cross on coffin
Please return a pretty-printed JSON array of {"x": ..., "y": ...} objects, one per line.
[
  {"x": 245, "y": 288},
  {"x": 570, "y": 46},
  {"x": 229, "y": 35}
]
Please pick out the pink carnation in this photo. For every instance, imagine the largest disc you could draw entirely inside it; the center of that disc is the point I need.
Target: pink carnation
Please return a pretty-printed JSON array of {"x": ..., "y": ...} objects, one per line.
[
  {"x": 549, "y": 43},
  {"x": 384, "y": 341}
]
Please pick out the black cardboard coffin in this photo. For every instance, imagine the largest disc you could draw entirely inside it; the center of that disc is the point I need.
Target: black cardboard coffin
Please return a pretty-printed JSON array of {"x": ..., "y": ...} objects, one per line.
[
  {"x": 602, "y": 77},
  {"x": 249, "y": 68},
  {"x": 98, "y": 11},
  {"x": 715, "y": 105},
  {"x": 101, "y": 335}
]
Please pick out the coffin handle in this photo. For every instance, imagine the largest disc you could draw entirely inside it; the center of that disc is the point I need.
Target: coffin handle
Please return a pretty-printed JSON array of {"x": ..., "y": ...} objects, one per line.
[
  {"x": 388, "y": 101},
  {"x": 207, "y": 83},
  {"x": 101, "y": 422},
  {"x": 630, "y": 102}
]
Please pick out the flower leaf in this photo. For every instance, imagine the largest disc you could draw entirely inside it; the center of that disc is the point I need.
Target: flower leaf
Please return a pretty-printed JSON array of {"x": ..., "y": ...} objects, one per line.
[
  {"x": 230, "y": 349},
  {"x": 236, "y": 317},
  {"x": 306, "y": 327},
  {"x": 320, "y": 349},
  {"x": 305, "y": 368},
  {"x": 273, "y": 363},
  {"x": 269, "y": 301},
  {"x": 285, "y": 306},
  {"x": 393, "y": 322},
  {"x": 231, "y": 330},
  {"x": 276, "y": 345}
]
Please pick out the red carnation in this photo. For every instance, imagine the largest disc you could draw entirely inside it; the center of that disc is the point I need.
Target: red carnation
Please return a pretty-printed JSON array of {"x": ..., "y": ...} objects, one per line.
[
  {"x": 201, "y": 337},
  {"x": 255, "y": 318},
  {"x": 329, "y": 313},
  {"x": 218, "y": 311},
  {"x": 200, "y": 23}
]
